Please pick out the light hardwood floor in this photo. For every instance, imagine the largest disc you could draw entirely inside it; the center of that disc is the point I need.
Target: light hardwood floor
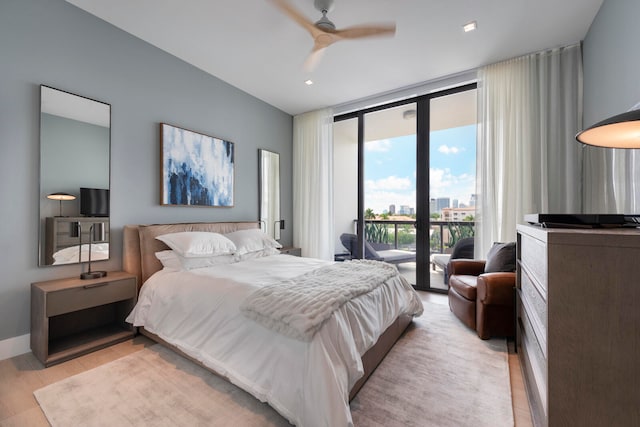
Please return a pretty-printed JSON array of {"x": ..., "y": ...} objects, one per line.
[{"x": 20, "y": 376}]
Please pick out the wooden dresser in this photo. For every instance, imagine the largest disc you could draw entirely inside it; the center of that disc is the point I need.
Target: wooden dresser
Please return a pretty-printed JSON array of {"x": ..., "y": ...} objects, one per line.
[{"x": 578, "y": 332}]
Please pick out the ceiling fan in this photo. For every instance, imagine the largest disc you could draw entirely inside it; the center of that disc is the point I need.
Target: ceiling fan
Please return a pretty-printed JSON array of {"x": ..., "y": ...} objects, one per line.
[{"x": 324, "y": 31}]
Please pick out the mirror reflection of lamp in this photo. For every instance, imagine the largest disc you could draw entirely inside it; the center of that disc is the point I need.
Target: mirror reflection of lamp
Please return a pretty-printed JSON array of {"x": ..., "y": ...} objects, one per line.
[
  {"x": 96, "y": 232},
  {"x": 61, "y": 197}
]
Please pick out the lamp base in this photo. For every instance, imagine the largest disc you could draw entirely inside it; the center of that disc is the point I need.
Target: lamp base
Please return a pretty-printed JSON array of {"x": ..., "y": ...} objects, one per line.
[{"x": 93, "y": 275}]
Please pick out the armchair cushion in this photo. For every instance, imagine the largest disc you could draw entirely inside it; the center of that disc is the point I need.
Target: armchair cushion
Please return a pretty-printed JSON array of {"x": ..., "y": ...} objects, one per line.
[
  {"x": 501, "y": 257},
  {"x": 465, "y": 285}
]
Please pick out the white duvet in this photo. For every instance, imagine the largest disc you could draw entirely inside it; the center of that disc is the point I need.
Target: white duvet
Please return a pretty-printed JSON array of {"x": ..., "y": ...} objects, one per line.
[{"x": 307, "y": 382}]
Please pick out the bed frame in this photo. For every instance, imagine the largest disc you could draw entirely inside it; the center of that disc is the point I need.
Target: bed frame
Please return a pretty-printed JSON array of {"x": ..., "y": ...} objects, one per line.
[{"x": 139, "y": 248}]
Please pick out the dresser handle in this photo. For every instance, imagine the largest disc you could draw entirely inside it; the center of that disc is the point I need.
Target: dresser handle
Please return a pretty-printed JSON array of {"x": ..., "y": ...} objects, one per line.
[{"x": 95, "y": 285}]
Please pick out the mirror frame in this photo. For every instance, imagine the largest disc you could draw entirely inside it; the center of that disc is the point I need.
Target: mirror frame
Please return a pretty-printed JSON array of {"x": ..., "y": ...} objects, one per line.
[
  {"x": 75, "y": 227},
  {"x": 269, "y": 192}
]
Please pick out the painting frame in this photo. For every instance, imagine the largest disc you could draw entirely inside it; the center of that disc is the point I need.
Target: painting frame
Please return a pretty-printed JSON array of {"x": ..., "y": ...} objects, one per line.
[{"x": 196, "y": 170}]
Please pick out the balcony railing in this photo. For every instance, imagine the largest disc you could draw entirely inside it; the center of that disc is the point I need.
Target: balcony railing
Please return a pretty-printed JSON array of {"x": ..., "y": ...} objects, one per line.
[{"x": 402, "y": 234}]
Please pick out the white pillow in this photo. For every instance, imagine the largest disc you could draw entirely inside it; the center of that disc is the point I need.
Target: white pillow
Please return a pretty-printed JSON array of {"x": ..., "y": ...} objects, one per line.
[
  {"x": 191, "y": 263},
  {"x": 194, "y": 244},
  {"x": 251, "y": 240},
  {"x": 257, "y": 254},
  {"x": 171, "y": 259}
]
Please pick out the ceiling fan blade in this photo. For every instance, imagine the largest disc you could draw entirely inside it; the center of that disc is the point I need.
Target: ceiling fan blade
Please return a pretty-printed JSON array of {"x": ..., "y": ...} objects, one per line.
[
  {"x": 294, "y": 14},
  {"x": 314, "y": 57},
  {"x": 366, "y": 31}
]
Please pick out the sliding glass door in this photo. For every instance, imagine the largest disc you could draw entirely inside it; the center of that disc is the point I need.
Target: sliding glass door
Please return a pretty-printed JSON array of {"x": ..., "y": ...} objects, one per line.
[
  {"x": 390, "y": 186},
  {"x": 404, "y": 175},
  {"x": 452, "y": 177}
]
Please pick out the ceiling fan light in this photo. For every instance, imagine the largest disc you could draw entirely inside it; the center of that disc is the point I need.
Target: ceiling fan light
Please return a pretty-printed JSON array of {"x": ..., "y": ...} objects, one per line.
[{"x": 308, "y": 82}]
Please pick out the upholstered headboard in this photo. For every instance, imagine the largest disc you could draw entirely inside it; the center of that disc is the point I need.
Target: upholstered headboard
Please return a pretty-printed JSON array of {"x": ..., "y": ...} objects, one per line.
[{"x": 140, "y": 243}]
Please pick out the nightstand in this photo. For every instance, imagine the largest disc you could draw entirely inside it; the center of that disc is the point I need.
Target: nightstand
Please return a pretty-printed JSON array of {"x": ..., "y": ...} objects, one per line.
[
  {"x": 290, "y": 250},
  {"x": 71, "y": 317}
]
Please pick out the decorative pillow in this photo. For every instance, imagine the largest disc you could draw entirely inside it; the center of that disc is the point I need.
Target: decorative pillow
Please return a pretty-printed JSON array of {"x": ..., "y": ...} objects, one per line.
[
  {"x": 251, "y": 240},
  {"x": 257, "y": 254},
  {"x": 501, "y": 257},
  {"x": 197, "y": 244},
  {"x": 169, "y": 259}
]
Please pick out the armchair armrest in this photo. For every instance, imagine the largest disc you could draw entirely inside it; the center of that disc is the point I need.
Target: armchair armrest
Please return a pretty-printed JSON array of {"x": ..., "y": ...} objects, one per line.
[
  {"x": 496, "y": 288},
  {"x": 467, "y": 267}
]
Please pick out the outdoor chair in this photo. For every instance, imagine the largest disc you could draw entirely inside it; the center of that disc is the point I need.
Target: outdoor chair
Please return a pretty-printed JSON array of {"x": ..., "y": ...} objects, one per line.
[
  {"x": 392, "y": 256},
  {"x": 462, "y": 249}
]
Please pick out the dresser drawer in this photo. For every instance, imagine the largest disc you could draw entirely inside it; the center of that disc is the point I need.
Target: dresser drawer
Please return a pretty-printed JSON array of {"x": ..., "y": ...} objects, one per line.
[
  {"x": 534, "y": 361},
  {"x": 533, "y": 335},
  {"x": 534, "y": 259},
  {"x": 535, "y": 302},
  {"x": 89, "y": 295}
]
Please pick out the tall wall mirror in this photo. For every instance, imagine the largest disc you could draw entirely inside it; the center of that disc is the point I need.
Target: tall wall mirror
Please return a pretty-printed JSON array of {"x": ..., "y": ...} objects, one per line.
[
  {"x": 269, "y": 173},
  {"x": 75, "y": 151}
]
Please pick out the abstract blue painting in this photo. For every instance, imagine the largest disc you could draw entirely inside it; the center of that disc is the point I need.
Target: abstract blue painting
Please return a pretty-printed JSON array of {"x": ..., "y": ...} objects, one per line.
[{"x": 197, "y": 170}]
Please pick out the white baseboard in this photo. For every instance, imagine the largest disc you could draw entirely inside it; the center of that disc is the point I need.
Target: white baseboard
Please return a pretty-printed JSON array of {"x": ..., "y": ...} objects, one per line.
[{"x": 15, "y": 346}]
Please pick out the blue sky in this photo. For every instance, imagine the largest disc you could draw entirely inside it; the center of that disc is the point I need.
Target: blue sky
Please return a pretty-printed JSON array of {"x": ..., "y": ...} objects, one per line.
[{"x": 390, "y": 171}]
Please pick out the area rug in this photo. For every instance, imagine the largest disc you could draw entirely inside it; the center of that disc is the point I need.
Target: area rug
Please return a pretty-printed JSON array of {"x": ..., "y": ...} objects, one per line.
[{"x": 438, "y": 374}]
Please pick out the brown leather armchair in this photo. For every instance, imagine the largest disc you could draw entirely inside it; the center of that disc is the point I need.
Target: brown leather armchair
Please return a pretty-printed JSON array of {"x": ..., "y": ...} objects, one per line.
[{"x": 482, "y": 301}]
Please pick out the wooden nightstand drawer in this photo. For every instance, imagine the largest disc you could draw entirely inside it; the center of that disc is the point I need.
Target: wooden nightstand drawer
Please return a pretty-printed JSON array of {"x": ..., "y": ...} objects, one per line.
[{"x": 89, "y": 295}]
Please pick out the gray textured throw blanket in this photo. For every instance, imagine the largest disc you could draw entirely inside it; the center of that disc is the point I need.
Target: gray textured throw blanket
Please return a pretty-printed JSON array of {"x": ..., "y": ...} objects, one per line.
[{"x": 298, "y": 307}]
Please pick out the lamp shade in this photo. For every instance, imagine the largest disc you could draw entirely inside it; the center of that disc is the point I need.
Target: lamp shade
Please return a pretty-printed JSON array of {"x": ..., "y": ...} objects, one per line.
[
  {"x": 621, "y": 131},
  {"x": 61, "y": 196}
]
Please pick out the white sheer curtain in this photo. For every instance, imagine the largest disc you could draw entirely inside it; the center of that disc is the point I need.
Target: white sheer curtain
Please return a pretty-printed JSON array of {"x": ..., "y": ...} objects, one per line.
[
  {"x": 611, "y": 180},
  {"x": 528, "y": 161},
  {"x": 313, "y": 183}
]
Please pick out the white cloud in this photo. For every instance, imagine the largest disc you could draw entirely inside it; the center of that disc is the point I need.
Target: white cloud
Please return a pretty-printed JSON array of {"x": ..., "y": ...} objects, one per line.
[
  {"x": 387, "y": 184},
  {"x": 381, "y": 146},
  {"x": 379, "y": 194},
  {"x": 379, "y": 201},
  {"x": 445, "y": 149},
  {"x": 445, "y": 184}
]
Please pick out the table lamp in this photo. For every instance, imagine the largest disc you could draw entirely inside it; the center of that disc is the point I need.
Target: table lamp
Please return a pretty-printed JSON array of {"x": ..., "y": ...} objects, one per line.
[{"x": 96, "y": 228}]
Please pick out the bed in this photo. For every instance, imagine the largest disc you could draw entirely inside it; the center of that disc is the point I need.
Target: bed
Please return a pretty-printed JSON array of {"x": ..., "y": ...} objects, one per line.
[{"x": 310, "y": 382}]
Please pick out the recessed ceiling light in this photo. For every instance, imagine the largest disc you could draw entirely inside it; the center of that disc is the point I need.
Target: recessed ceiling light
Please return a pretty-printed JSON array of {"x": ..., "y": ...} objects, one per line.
[
  {"x": 470, "y": 26},
  {"x": 308, "y": 82}
]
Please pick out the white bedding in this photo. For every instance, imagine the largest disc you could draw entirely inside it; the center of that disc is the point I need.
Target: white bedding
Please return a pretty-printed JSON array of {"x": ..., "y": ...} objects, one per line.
[
  {"x": 307, "y": 382},
  {"x": 99, "y": 251}
]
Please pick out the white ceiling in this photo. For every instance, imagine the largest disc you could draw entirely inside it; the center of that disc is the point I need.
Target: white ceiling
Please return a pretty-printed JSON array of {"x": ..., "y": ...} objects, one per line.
[{"x": 251, "y": 45}]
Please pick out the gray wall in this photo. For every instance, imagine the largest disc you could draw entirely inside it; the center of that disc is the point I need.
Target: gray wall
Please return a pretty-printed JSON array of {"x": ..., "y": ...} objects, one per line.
[
  {"x": 612, "y": 61},
  {"x": 54, "y": 43}
]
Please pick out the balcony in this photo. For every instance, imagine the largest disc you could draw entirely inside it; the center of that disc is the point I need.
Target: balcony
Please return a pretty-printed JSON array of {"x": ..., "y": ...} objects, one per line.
[{"x": 397, "y": 234}]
